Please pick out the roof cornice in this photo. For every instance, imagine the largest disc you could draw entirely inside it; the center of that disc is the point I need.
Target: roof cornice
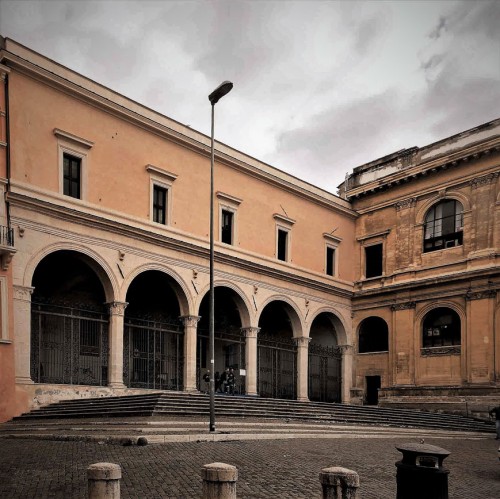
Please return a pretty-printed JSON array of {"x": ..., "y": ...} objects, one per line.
[{"x": 78, "y": 86}]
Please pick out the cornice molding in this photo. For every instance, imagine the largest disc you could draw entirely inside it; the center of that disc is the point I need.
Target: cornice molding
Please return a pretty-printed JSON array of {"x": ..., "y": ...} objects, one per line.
[
  {"x": 332, "y": 238},
  {"x": 382, "y": 234},
  {"x": 227, "y": 198},
  {"x": 163, "y": 241},
  {"x": 283, "y": 219},
  {"x": 160, "y": 171},
  {"x": 61, "y": 134},
  {"x": 191, "y": 139}
]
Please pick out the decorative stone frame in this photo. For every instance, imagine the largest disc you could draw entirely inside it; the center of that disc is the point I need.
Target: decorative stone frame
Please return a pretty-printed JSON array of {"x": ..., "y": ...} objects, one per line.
[
  {"x": 75, "y": 146},
  {"x": 231, "y": 204},
  {"x": 332, "y": 242},
  {"x": 164, "y": 179},
  {"x": 372, "y": 240},
  {"x": 285, "y": 224}
]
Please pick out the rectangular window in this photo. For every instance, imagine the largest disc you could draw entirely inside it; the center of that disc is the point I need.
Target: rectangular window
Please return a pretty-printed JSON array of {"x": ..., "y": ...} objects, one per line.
[
  {"x": 282, "y": 245},
  {"x": 373, "y": 260},
  {"x": 330, "y": 260},
  {"x": 227, "y": 227},
  {"x": 72, "y": 176},
  {"x": 159, "y": 204}
]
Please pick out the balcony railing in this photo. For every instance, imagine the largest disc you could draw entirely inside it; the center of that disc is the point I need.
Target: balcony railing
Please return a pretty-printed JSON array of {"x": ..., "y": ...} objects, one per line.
[{"x": 6, "y": 236}]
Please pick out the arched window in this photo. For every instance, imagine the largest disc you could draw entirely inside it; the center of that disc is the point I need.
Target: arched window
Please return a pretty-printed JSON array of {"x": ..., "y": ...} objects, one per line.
[
  {"x": 441, "y": 327},
  {"x": 443, "y": 226},
  {"x": 373, "y": 335}
]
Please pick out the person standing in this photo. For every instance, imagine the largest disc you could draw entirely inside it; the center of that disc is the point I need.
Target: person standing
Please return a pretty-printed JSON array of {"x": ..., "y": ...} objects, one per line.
[
  {"x": 496, "y": 411},
  {"x": 231, "y": 381}
]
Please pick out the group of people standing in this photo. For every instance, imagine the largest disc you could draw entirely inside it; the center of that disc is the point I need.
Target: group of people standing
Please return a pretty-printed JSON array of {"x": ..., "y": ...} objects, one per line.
[{"x": 224, "y": 383}]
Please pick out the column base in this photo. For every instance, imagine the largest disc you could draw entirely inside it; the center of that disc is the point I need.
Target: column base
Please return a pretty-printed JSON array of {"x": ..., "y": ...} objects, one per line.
[
  {"x": 21, "y": 380},
  {"x": 116, "y": 384},
  {"x": 303, "y": 399}
]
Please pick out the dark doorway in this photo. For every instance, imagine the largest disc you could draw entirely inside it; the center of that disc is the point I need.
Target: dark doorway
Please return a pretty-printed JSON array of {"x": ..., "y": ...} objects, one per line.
[{"x": 372, "y": 386}]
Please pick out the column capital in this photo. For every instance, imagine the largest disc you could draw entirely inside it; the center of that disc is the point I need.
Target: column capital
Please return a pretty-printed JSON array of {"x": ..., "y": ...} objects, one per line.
[
  {"x": 480, "y": 295},
  {"x": 302, "y": 342},
  {"x": 117, "y": 307},
  {"x": 250, "y": 332},
  {"x": 23, "y": 293},
  {"x": 344, "y": 349},
  {"x": 190, "y": 320}
]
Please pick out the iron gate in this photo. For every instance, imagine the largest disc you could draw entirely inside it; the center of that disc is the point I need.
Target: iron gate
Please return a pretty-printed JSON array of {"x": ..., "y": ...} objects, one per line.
[
  {"x": 69, "y": 345},
  {"x": 324, "y": 373},
  {"x": 276, "y": 367},
  {"x": 153, "y": 353},
  {"x": 229, "y": 352}
]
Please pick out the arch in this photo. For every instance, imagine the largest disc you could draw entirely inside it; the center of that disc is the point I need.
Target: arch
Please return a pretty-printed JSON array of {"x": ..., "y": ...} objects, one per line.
[
  {"x": 339, "y": 324},
  {"x": 293, "y": 311},
  {"x": 373, "y": 335},
  {"x": 441, "y": 327},
  {"x": 91, "y": 258},
  {"x": 424, "y": 208},
  {"x": 178, "y": 285},
  {"x": 441, "y": 304},
  {"x": 242, "y": 301}
]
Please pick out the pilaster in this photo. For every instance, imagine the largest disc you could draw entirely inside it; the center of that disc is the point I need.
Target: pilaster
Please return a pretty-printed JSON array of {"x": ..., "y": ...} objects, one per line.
[{"x": 22, "y": 327}]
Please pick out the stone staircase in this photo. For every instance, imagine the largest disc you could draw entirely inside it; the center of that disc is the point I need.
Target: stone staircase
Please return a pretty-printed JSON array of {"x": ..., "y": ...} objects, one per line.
[{"x": 178, "y": 406}]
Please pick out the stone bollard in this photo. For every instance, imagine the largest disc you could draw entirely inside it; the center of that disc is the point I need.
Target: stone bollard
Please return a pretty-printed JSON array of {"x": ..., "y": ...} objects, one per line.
[
  {"x": 219, "y": 481},
  {"x": 339, "y": 483},
  {"x": 104, "y": 481}
]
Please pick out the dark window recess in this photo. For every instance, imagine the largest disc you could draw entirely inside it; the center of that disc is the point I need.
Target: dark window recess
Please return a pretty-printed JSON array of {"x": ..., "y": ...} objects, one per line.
[
  {"x": 330, "y": 260},
  {"x": 282, "y": 244},
  {"x": 227, "y": 227},
  {"x": 443, "y": 226},
  {"x": 373, "y": 335},
  {"x": 373, "y": 259},
  {"x": 72, "y": 176},
  {"x": 159, "y": 204},
  {"x": 441, "y": 327}
]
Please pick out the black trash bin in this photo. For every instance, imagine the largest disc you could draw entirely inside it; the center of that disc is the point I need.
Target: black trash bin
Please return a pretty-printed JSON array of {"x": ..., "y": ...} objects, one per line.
[{"x": 420, "y": 474}]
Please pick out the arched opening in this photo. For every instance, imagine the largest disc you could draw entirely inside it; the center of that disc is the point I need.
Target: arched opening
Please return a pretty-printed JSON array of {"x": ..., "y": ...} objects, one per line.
[
  {"x": 69, "y": 322},
  {"x": 229, "y": 341},
  {"x": 153, "y": 342},
  {"x": 276, "y": 352},
  {"x": 441, "y": 328},
  {"x": 373, "y": 335},
  {"x": 443, "y": 226},
  {"x": 324, "y": 360}
]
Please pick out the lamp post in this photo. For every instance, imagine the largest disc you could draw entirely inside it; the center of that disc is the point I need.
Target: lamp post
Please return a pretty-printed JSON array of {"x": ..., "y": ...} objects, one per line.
[{"x": 224, "y": 88}]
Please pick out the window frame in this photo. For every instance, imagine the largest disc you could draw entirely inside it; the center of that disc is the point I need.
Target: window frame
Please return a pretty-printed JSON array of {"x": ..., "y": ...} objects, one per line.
[
  {"x": 332, "y": 243},
  {"x": 225, "y": 210},
  {"x": 441, "y": 241},
  {"x": 163, "y": 179},
  {"x": 432, "y": 344},
  {"x": 230, "y": 204},
  {"x": 386, "y": 338},
  {"x": 76, "y": 147},
  {"x": 369, "y": 247},
  {"x": 157, "y": 187},
  {"x": 72, "y": 162},
  {"x": 283, "y": 224}
]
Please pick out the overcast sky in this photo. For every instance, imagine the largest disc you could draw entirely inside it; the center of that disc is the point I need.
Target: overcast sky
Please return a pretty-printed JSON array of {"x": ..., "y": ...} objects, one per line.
[{"x": 320, "y": 87}]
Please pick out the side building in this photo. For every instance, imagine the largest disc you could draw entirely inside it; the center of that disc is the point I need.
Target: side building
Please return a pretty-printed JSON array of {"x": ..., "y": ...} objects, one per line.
[
  {"x": 107, "y": 293},
  {"x": 426, "y": 305}
]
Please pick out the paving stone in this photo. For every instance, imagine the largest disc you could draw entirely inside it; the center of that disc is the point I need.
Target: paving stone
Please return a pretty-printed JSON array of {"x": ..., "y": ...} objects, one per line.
[{"x": 269, "y": 468}]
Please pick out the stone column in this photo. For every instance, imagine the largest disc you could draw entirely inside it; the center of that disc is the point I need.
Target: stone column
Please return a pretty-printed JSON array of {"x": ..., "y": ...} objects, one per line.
[
  {"x": 22, "y": 327},
  {"x": 251, "y": 359},
  {"x": 302, "y": 367},
  {"x": 115, "y": 369},
  {"x": 346, "y": 373},
  {"x": 190, "y": 336}
]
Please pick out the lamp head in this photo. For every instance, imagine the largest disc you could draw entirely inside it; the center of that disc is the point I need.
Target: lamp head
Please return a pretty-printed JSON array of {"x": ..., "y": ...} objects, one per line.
[{"x": 224, "y": 88}]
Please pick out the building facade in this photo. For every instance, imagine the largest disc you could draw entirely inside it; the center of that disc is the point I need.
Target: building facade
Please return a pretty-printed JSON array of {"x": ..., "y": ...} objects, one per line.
[{"x": 105, "y": 259}]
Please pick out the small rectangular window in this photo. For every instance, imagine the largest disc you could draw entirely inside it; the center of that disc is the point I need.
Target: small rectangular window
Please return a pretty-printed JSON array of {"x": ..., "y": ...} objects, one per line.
[
  {"x": 282, "y": 244},
  {"x": 72, "y": 176},
  {"x": 330, "y": 260},
  {"x": 227, "y": 227},
  {"x": 159, "y": 204},
  {"x": 373, "y": 260}
]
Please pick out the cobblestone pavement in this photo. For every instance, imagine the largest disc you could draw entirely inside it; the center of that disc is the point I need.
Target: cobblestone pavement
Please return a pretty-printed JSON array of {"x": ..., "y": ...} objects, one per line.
[{"x": 277, "y": 468}]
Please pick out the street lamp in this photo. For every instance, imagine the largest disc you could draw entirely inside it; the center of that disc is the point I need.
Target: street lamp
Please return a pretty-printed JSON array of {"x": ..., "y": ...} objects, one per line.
[{"x": 224, "y": 88}]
